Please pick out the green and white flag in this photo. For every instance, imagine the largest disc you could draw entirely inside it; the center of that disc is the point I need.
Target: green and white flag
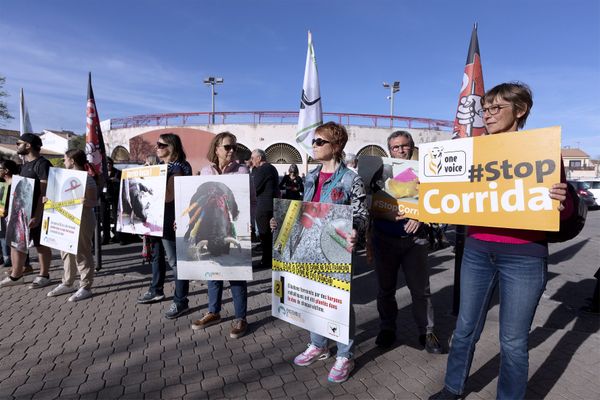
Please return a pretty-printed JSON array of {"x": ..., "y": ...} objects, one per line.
[
  {"x": 25, "y": 123},
  {"x": 311, "y": 113}
]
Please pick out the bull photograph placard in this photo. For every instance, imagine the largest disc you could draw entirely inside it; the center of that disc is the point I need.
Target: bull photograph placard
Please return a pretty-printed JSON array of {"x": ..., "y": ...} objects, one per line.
[
  {"x": 312, "y": 267},
  {"x": 213, "y": 227},
  {"x": 142, "y": 200},
  {"x": 500, "y": 180},
  {"x": 19, "y": 212},
  {"x": 63, "y": 209},
  {"x": 392, "y": 185}
]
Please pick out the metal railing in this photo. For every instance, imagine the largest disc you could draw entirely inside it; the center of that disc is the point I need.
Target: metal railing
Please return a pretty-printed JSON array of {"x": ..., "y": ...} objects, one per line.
[{"x": 280, "y": 117}]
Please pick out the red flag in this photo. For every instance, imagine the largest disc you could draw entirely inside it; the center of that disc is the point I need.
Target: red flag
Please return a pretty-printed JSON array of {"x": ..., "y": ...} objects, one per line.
[
  {"x": 469, "y": 116},
  {"x": 94, "y": 142}
]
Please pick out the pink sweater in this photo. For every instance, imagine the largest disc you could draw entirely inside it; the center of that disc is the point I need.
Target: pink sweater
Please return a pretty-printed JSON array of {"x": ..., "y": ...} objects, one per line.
[{"x": 516, "y": 236}]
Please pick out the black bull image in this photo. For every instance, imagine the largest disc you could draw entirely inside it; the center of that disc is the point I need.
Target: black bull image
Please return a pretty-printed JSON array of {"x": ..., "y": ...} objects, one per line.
[
  {"x": 212, "y": 211},
  {"x": 133, "y": 191}
]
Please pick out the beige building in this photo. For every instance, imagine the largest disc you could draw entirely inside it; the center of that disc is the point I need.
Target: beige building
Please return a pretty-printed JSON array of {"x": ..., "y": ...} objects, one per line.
[
  {"x": 578, "y": 164},
  {"x": 132, "y": 139}
]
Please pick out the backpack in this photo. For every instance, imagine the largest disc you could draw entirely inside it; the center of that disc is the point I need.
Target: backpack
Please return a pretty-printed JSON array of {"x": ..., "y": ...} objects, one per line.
[{"x": 570, "y": 227}]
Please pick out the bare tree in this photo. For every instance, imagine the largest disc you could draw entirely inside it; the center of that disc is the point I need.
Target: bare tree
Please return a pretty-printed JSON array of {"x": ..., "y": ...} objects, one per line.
[{"x": 4, "y": 114}]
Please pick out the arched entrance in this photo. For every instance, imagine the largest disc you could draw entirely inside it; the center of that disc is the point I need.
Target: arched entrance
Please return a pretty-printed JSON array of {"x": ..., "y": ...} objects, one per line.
[
  {"x": 372, "y": 150},
  {"x": 283, "y": 153}
]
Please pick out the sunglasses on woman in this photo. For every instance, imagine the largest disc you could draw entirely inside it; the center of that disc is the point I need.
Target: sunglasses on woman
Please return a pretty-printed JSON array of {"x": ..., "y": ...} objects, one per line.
[
  {"x": 161, "y": 145},
  {"x": 319, "y": 142},
  {"x": 229, "y": 147}
]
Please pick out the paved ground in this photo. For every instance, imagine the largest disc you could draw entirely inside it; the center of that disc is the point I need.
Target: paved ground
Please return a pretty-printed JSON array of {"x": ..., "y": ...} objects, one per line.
[{"x": 110, "y": 347}]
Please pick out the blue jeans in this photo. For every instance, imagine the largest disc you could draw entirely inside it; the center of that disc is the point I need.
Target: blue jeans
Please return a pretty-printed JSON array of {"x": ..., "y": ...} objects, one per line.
[
  {"x": 182, "y": 287},
  {"x": 521, "y": 281},
  {"x": 239, "y": 292},
  {"x": 343, "y": 350},
  {"x": 159, "y": 266},
  {"x": 162, "y": 248}
]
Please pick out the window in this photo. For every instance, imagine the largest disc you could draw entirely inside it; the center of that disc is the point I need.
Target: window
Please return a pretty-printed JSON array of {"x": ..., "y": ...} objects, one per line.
[
  {"x": 242, "y": 153},
  {"x": 283, "y": 153},
  {"x": 574, "y": 163},
  {"x": 372, "y": 150}
]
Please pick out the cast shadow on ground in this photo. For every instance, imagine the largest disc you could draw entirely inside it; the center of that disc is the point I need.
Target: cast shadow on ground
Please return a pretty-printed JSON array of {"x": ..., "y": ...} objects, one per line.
[
  {"x": 557, "y": 361},
  {"x": 567, "y": 253}
]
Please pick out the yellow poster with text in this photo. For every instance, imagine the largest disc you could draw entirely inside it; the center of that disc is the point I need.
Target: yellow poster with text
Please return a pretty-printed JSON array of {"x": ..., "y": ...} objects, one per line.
[{"x": 498, "y": 180}]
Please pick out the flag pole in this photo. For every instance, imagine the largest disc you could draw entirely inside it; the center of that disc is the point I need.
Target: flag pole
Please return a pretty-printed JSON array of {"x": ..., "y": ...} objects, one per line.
[
  {"x": 96, "y": 156},
  {"x": 473, "y": 71},
  {"x": 310, "y": 115}
]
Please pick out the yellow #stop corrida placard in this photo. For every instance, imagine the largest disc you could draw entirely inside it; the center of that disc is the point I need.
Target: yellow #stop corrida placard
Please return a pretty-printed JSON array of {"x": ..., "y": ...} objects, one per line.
[{"x": 500, "y": 180}]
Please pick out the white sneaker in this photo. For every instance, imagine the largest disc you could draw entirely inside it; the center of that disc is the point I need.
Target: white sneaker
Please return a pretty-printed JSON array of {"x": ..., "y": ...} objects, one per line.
[
  {"x": 81, "y": 294},
  {"x": 39, "y": 282},
  {"x": 9, "y": 282},
  {"x": 60, "y": 289}
]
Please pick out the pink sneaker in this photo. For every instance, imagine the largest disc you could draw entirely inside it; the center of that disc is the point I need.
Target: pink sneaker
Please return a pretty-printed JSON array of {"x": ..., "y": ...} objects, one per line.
[
  {"x": 341, "y": 370},
  {"x": 310, "y": 355}
]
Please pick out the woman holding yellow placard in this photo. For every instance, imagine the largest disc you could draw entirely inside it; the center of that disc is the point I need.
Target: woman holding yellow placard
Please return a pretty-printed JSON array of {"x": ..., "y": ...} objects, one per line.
[{"x": 514, "y": 260}]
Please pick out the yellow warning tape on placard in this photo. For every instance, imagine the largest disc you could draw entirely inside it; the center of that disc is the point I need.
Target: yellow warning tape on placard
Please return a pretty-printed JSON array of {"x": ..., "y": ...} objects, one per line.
[
  {"x": 315, "y": 272},
  {"x": 50, "y": 205},
  {"x": 322, "y": 268},
  {"x": 58, "y": 206},
  {"x": 291, "y": 216}
]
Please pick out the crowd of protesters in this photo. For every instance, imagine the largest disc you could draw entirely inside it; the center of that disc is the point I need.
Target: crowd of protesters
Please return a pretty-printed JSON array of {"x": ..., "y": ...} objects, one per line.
[{"x": 514, "y": 260}]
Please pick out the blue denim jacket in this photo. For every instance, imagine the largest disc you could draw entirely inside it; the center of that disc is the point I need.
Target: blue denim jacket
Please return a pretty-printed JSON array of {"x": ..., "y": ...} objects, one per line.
[{"x": 348, "y": 189}]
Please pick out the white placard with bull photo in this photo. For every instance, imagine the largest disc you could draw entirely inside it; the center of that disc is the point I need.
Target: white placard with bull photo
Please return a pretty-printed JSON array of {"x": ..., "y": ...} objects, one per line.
[
  {"x": 312, "y": 267},
  {"x": 19, "y": 213},
  {"x": 213, "y": 227},
  {"x": 63, "y": 208},
  {"x": 141, "y": 204}
]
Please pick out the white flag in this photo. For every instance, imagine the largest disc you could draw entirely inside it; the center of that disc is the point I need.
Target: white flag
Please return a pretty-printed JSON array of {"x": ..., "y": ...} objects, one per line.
[
  {"x": 24, "y": 117},
  {"x": 311, "y": 113}
]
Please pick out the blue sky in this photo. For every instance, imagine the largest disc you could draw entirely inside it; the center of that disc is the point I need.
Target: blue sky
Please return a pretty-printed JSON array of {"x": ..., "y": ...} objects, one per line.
[{"x": 151, "y": 56}]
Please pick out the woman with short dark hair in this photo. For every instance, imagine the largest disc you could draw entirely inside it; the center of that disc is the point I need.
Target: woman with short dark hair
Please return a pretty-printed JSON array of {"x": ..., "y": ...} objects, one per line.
[{"x": 515, "y": 260}]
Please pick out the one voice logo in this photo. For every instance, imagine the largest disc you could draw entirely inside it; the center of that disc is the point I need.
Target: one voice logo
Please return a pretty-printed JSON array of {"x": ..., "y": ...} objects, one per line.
[{"x": 445, "y": 163}]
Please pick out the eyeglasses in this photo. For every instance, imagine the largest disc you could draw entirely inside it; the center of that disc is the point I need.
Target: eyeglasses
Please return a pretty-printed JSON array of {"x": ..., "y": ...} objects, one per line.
[
  {"x": 400, "y": 146},
  {"x": 320, "y": 142},
  {"x": 493, "y": 110},
  {"x": 229, "y": 147},
  {"x": 161, "y": 145},
  {"x": 20, "y": 143}
]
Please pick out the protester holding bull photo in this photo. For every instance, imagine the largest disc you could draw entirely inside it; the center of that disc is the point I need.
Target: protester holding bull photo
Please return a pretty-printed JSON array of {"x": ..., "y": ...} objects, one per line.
[
  {"x": 515, "y": 260},
  {"x": 170, "y": 151},
  {"x": 221, "y": 154}
]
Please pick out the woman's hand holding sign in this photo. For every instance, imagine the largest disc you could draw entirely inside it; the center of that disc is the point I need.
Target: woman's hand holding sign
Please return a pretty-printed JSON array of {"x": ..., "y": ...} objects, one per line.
[{"x": 559, "y": 192}]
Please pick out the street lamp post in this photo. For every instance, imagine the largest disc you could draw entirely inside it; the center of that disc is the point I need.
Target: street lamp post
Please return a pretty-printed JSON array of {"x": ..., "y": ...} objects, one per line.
[
  {"x": 212, "y": 81},
  {"x": 394, "y": 87}
]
